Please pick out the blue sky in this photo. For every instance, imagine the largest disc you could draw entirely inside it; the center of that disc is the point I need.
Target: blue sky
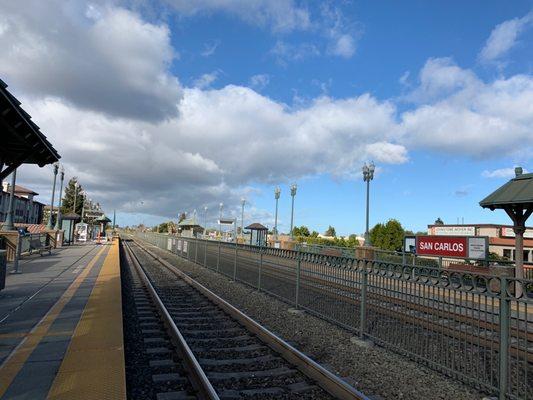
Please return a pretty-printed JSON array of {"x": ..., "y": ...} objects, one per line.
[{"x": 163, "y": 107}]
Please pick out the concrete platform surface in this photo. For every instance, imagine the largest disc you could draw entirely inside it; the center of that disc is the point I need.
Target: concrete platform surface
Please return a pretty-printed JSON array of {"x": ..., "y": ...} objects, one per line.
[{"x": 41, "y": 313}]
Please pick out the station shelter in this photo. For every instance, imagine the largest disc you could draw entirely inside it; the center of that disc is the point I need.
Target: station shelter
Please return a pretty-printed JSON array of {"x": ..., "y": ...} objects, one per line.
[{"x": 258, "y": 234}]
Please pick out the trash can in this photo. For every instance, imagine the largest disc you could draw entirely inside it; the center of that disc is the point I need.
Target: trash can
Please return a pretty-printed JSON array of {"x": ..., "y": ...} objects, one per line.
[{"x": 3, "y": 264}]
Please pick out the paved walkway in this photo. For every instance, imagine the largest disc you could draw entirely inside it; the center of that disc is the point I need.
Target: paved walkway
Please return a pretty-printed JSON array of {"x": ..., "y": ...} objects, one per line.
[{"x": 41, "y": 311}]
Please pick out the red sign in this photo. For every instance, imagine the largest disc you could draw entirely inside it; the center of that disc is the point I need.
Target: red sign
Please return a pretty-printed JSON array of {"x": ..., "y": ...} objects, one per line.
[{"x": 444, "y": 246}]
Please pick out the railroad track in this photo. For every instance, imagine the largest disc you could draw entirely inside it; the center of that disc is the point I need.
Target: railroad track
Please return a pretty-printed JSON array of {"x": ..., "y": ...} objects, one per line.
[
  {"x": 441, "y": 318},
  {"x": 219, "y": 351}
]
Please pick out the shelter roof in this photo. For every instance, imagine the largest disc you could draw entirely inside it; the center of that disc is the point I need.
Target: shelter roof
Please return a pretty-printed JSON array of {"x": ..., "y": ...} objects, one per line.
[
  {"x": 256, "y": 226},
  {"x": 102, "y": 218},
  {"x": 189, "y": 222},
  {"x": 22, "y": 141},
  {"x": 71, "y": 216},
  {"x": 517, "y": 192}
]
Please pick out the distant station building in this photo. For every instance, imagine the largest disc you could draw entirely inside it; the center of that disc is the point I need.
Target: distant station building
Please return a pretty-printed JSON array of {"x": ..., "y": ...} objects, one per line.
[
  {"x": 190, "y": 227},
  {"x": 26, "y": 210},
  {"x": 501, "y": 237}
]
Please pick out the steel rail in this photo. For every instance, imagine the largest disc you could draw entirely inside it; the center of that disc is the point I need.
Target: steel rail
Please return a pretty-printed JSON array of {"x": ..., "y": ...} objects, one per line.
[
  {"x": 198, "y": 377},
  {"x": 325, "y": 379},
  {"x": 269, "y": 268},
  {"x": 310, "y": 281}
]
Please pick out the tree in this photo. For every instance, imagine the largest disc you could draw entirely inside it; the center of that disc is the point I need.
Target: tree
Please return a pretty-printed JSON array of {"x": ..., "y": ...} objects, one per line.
[
  {"x": 162, "y": 228},
  {"x": 377, "y": 235},
  {"x": 301, "y": 231},
  {"x": 388, "y": 236},
  {"x": 181, "y": 217},
  {"x": 330, "y": 231},
  {"x": 439, "y": 221},
  {"x": 352, "y": 241},
  {"x": 314, "y": 234},
  {"x": 67, "y": 204}
]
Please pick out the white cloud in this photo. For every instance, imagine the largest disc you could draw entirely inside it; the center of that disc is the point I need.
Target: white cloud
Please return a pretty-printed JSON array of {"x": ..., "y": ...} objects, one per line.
[
  {"x": 259, "y": 81},
  {"x": 386, "y": 152},
  {"x": 464, "y": 115},
  {"x": 504, "y": 37},
  {"x": 279, "y": 15},
  {"x": 98, "y": 57},
  {"x": 118, "y": 127},
  {"x": 222, "y": 141},
  {"x": 344, "y": 46},
  {"x": 205, "y": 80},
  {"x": 501, "y": 173},
  {"x": 342, "y": 34}
]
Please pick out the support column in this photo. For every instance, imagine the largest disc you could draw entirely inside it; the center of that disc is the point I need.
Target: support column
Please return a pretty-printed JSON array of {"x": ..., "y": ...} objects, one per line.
[{"x": 8, "y": 224}]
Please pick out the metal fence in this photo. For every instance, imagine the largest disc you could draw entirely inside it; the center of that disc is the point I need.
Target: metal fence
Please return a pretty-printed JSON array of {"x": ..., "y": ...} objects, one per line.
[{"x": 476, "y": 328}]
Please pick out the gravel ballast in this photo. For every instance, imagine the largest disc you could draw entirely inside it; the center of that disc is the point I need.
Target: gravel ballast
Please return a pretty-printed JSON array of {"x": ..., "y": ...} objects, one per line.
[{"x": 379, "y": 373}]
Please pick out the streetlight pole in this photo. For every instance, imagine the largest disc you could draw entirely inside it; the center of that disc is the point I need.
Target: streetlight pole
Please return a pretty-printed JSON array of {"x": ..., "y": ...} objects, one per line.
[
  {"x": 368, "y": 175},
  {"x": 75, "y": 195},
  {"x": 8, "y": 225},
  {"x": 221, "y": 205},
  {"x": 205, "y": 220},
  {"x": 82, "y": 193},
  {"x": 58, "y": 219},
  {"x": 243, "y": 202},
  {"x": 49, "y": 224},
  {"x": 293, "y": 193},
  {"x": 277, "y": 193}
]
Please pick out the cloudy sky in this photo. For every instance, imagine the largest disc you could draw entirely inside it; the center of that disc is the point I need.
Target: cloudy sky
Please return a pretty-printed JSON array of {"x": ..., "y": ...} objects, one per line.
[{"x": 161, "y": 107}]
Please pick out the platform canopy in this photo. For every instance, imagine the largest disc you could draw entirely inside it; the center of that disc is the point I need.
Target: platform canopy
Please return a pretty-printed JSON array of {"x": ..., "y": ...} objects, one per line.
[
  {"x": 22, "y": 141},
  {"x": 516, "y": 199}
]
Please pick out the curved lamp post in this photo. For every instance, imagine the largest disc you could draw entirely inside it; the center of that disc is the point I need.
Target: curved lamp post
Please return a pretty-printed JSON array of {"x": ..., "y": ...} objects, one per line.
[
  {"x": 49, "y": 224},
  {"x": 58, "y": 219},
  {"x": 293, "y": 193},
  {"x": 368, "y": 175},
  {"x": 277, "y": 192}
]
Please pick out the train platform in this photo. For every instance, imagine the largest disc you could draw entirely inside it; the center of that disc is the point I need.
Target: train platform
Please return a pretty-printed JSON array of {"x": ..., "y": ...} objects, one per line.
[{"x": 61, "y": 326}]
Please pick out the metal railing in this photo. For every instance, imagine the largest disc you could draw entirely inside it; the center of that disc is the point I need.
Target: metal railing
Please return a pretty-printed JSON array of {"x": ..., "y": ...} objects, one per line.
[{"x": 474, "y": 327}]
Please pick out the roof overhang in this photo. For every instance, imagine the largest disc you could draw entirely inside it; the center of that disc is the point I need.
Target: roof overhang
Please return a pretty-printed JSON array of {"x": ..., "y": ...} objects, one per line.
[{"x": 22, "y": 141}]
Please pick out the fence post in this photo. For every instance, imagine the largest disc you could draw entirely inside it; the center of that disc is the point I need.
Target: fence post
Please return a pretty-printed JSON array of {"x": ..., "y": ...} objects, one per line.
[
  {"x": 205, "y": 255},
  {"x": 260, "y": 267},
  {"x": 298, "y": 272},
  {"x": 188, "y": 250},
  {"x": 218, "y": 257},
  {"x": 504, "y": 339},
  {"x": 196, "y": 251},
  {"x": 235, "y": 262},
  {"x": 362, "y": 309},
  {"x": 440, "y": 262}
]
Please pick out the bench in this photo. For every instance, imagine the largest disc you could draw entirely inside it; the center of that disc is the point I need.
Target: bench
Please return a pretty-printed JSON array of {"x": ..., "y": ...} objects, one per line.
[{"x": 36, "y": 245}]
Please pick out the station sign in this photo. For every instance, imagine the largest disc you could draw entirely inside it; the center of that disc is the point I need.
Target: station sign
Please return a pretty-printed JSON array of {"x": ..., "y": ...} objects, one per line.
[
  {"x": 454, "y": 230},
  {"x": 509, "y": 232},
  {"x": 472, "y": 247}
]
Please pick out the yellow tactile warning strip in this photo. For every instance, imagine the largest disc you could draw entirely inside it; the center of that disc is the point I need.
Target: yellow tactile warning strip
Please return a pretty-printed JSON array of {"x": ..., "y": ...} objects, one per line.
[
  {"x": 93, "y": 367},
  {"x": 14, "y": 363}
]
